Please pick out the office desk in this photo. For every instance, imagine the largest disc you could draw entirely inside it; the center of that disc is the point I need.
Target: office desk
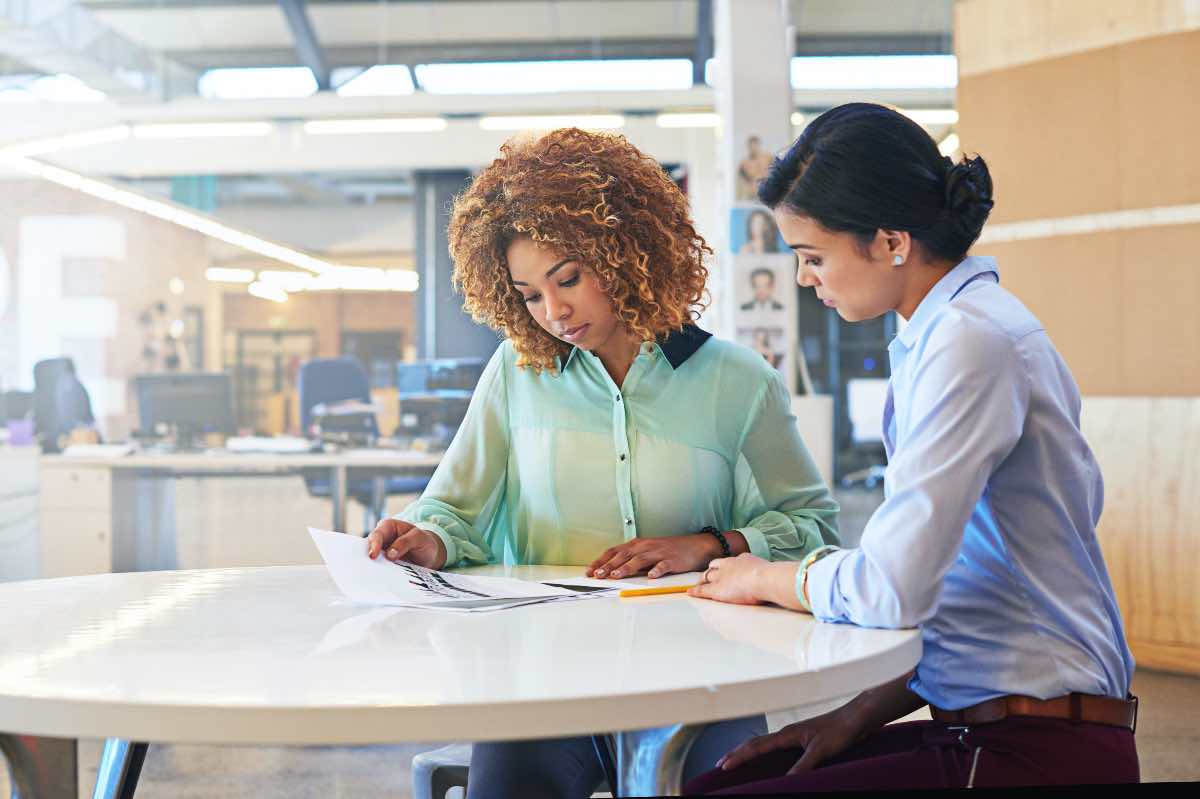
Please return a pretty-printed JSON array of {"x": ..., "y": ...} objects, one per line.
[
  {"x": 102, "y": 514},
  {"x": 276, "y": 656}
]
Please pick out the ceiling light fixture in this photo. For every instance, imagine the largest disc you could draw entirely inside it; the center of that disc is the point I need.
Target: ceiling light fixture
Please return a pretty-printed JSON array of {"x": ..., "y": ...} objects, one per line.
[
  {"x": 322, "y": 127},
  {"x": 688, "y": 120},
  {"x": 201, "y": 130}
]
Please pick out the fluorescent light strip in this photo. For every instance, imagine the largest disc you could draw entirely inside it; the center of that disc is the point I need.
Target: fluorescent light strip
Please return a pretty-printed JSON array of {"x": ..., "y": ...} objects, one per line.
[
  {"x": 201, "y": 130},
  {"x": 533, "y": 77},
  {"x": 342, "y": 278},
  {"x": 322, "y": 127},
  {"x": 71, "y": 141},
  {"x": 267, "y": 292},
  {"x": 221, "y": 274},
  {"x": 587, "y": 122},
  {"x": 1161, "y": 216},
  {"x": 168, "y": 212},
  {"x": 696, "y": 120}
]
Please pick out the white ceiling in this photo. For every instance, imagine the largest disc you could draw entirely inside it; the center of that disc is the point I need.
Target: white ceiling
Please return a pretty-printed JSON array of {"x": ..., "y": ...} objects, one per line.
[{"x": 198, "y": 25}]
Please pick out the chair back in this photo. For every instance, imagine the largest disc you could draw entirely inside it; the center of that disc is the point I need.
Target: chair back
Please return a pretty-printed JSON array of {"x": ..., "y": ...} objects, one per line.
[{"x": 327, "y": 380}]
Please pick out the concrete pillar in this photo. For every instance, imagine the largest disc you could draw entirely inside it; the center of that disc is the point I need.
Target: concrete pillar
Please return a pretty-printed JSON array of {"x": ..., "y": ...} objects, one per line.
[{"x": 753, "y": 99}]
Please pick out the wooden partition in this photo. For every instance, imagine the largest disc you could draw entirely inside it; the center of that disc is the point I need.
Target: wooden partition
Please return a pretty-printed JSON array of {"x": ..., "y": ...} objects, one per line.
[{"x": 1084, "y": 109}]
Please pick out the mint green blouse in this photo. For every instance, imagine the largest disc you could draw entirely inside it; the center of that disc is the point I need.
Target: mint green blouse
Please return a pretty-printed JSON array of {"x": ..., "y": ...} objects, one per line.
[{"x": 554, "y": 467}]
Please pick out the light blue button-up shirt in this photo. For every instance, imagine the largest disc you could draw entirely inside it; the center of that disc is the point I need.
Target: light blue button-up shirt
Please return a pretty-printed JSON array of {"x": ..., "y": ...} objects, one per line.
[
  {"x": 986, "y": 535},
  {"x": 554, "y": 467}
]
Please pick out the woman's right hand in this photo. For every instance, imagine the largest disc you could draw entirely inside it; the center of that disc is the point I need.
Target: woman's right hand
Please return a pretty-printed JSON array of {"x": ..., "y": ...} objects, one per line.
[
  {"x": 821, "y": 738},
  {"x": 399, "y": 540}
]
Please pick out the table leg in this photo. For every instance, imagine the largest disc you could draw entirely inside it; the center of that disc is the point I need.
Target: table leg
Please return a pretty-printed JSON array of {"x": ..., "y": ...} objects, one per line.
[
  {"x": 650, "y": 762},
  {"x": 378, "y": 500},
  {"x": 120, "y": 767},
  {"x": 41, "y": 768},
  {"x": 337, "y": 495}
]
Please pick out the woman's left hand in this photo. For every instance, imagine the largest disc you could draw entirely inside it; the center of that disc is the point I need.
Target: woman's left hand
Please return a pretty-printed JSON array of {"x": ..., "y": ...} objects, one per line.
[
  {"x": 656, "y": 557},
  {"x": 739, "y": 580}
]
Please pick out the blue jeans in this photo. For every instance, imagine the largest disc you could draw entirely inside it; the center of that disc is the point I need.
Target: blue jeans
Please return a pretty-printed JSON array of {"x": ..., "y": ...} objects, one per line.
[{"x": 568, "y": 768}]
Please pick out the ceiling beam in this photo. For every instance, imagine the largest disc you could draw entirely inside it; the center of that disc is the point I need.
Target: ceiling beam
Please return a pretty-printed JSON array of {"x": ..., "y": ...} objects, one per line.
[
  {"x": 704, "y": 40},
  {"x": 308, "y": 49}
]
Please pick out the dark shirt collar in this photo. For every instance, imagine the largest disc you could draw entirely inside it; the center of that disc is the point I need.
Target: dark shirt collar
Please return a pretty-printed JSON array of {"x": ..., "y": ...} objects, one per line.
[{"x": 677, "y": 346}]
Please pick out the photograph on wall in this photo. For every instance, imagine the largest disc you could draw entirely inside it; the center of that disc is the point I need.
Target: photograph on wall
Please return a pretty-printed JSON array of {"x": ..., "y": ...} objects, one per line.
[
  {"x": 762, "y": 284},
  {"x": 753, "y": 167},
  {"x": 769, "y": 342},
  {"x": 752, "y": 231},
  {"x": 763, "y": 288}
]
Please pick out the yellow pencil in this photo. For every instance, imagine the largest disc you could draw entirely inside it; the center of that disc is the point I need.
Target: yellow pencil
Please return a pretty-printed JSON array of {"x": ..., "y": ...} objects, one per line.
[{"x": 670, "y": 589}]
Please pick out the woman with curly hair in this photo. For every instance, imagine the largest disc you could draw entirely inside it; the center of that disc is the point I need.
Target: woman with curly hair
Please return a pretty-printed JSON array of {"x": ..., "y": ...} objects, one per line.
[{"x": 607, "y": 431}]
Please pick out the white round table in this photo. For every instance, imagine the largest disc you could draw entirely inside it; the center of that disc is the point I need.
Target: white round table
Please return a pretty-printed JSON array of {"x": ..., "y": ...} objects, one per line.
[{"x": 277, "y": 656}]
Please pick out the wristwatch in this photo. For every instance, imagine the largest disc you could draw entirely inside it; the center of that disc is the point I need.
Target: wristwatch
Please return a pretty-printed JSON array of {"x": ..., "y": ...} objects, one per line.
[
  {"x": 725, "y": 550},
  {"x": 802, "y": 575}
]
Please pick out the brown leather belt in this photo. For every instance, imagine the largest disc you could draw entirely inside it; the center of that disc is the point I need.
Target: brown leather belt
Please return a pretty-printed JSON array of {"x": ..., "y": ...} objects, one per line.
[{"x": 1079, "y": 708}]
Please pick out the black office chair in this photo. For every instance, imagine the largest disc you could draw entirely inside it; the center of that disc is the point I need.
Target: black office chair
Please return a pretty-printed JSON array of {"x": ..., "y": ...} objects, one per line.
[
  {"x": 330, "y": 380},
  {"x": 60, "y": 402}
]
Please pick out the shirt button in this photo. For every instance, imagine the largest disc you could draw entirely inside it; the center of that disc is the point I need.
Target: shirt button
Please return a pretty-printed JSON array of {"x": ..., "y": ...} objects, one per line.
[
  {"x": 628, "y": 522},
  {"x": 617, "y": 398},
  {"x": 622, "y": 456}
]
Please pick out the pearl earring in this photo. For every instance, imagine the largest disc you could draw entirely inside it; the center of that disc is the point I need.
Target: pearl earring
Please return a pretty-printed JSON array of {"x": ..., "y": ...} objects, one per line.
[{"x": 896, "y": 261}]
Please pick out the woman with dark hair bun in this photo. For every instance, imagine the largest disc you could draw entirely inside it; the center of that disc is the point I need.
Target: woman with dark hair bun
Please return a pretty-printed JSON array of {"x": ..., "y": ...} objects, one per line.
[{"x": 986, "y": 536}]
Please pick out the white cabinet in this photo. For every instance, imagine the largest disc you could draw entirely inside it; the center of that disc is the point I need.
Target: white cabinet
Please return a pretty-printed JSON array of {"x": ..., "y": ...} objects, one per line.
[
  {"x": 18, "y": 513},
  {"x": 76, "y": 518}
]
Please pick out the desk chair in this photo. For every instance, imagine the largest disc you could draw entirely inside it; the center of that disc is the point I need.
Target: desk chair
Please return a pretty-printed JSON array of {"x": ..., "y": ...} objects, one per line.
[
  {"x": 329, "y": 380},
  {"x": 60, "y": 402}
]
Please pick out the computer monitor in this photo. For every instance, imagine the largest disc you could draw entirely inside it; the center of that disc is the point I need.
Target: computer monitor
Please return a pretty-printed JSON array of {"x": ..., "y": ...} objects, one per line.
[
  {"x": 456, "y": 374},
  {"x": 412, "y": 378},
  {"x": 188, "y": 404},
  {"x": 865, "y": 398}
]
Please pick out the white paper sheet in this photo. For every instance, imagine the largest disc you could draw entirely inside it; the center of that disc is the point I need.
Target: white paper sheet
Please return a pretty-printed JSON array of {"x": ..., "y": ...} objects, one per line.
[{"x": 382, "y": 582}]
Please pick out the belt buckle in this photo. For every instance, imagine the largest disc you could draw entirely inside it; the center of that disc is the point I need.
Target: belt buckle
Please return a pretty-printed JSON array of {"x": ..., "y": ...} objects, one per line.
[{"x": 962, "y": 729}]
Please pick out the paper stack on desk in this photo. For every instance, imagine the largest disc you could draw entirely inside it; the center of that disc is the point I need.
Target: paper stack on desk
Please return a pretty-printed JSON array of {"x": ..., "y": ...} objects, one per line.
[{"x": 382, "y": 582}]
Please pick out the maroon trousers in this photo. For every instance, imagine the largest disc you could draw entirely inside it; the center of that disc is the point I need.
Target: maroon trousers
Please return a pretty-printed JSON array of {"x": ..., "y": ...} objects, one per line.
[{"x": 929, "y": 754}]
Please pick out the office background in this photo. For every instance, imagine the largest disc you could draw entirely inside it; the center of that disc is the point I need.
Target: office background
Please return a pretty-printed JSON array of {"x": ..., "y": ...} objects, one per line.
[{"x": 176, "y": 176}]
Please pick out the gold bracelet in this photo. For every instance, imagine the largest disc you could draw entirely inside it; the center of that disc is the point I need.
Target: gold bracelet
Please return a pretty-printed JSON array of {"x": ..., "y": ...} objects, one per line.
[{"x": 805, "y": 565}]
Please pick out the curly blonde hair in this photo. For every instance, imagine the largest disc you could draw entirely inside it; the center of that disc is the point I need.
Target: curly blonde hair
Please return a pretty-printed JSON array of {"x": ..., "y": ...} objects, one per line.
[{"x": 594, "y": 197}]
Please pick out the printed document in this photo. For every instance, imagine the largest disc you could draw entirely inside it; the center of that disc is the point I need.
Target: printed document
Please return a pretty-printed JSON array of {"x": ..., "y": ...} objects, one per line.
[{"x": 383, "y": 582}]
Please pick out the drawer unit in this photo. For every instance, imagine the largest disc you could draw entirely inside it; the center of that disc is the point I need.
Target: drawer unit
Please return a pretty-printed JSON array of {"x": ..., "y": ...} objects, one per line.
[
  {"x": 75, "y": 542},
  {"x": 65, "y": 487}
]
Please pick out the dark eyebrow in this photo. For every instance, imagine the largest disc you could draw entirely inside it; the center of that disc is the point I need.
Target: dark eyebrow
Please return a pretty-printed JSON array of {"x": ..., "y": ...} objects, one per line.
[
  {"x": 803, "y": 247},
  {"x": 549, "y": 272}
]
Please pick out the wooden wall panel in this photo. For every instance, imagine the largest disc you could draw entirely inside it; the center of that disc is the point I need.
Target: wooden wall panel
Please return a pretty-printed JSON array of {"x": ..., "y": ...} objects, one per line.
[
  {"x": 1149, "y": 454},
  {"x": 1159, "y": 285},
  {"x": 1048, "y": 132},
  {"x": 1000, "y": 34},
  {"x": 1159, "y": 96},
  {"x": 1073, "y": 285}
]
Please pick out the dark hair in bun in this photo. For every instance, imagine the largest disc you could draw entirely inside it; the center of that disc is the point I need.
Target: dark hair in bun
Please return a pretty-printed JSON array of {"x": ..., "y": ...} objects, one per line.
[{"x": 861, "y": 167}]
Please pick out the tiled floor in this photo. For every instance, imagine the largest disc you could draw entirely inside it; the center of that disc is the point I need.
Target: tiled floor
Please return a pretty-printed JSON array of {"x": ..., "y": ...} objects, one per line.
[{"x": 1168, "y": 745}]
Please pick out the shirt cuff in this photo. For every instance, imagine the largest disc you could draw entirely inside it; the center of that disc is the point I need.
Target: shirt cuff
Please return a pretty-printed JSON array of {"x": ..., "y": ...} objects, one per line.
[
  {"x": 447, "y": 540},
  {"x": 756, "y": 541},
  {"x": 821, "y": 576}
]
